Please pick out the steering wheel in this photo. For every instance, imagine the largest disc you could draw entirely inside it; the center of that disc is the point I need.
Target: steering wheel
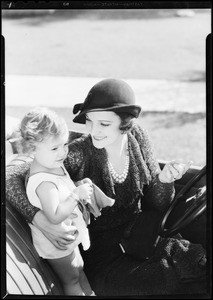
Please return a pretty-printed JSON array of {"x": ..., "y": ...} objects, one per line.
[{"x": 197, "y": 207}]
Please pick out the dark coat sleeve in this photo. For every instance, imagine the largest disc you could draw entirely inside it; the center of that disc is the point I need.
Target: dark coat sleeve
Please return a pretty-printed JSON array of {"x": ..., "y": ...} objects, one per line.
[
  {"x": 157, "y": 195},
  {"x": 16, "y": 192},
  {"x": 78, "y": 157}
]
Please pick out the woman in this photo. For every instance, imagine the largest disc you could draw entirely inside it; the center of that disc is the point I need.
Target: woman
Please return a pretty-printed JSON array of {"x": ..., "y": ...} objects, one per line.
[{"x": 116, "y": 155}]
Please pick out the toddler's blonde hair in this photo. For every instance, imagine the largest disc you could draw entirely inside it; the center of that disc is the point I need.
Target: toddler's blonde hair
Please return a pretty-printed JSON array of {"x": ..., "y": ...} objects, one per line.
[{"x": 38, "y": 124}]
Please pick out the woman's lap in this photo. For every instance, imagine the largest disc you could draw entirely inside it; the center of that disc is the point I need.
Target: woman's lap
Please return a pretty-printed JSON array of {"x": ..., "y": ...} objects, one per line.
[{"x": 174, "y": 269}]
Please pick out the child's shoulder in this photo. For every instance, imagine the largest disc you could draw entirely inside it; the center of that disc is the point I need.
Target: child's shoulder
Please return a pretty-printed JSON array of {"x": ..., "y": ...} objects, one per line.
[
  {"x": 41, "y": 176},
  {"x": 41, "y": 179}
]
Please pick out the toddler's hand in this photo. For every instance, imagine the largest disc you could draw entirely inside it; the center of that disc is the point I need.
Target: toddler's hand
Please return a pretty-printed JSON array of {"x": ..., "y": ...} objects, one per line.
[
  {"x": 84, "y": 191},
  {"x": 173, "y": 170},
  {"x": 85, "y": 180}
]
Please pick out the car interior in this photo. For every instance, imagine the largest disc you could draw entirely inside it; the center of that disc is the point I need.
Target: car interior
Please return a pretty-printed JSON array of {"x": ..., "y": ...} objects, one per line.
[{"x": 27, "y": 273}]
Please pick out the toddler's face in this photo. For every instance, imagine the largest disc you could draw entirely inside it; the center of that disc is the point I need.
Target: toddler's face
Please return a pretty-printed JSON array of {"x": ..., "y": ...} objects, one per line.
[{"x": 51, "y": 152}]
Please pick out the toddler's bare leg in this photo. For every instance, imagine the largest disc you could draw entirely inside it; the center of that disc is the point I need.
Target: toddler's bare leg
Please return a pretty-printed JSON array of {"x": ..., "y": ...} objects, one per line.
[
  {"x": 82, "y": 276},
  {"x": 85, "y": 284},
  {"x": 68, "y": 271}
]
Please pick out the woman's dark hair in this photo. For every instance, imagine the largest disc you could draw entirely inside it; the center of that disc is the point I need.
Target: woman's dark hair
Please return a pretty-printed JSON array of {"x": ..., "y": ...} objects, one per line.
[{"x": 127, "y": 121}]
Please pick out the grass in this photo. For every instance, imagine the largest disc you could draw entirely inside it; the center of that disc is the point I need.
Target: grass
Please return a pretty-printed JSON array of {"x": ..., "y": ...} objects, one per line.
[
  {"x": 174, "y": 135},
  {"x": 177, "y": 135}
]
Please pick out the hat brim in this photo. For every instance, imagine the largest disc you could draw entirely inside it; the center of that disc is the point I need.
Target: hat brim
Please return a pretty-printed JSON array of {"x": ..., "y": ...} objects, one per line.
[{"x": 133, "y": 110}]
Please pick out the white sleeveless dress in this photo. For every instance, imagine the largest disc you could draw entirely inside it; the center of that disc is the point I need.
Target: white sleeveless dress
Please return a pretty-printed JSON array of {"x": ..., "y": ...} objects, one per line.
[{"x": 65, "y": 186}]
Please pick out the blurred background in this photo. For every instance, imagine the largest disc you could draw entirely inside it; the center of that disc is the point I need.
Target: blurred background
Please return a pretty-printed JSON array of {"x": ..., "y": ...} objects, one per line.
[{"x": 53, "y": 57}]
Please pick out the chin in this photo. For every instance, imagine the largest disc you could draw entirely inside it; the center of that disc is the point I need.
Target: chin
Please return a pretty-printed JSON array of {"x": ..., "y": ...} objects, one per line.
[{"x": 98, "y": 145}]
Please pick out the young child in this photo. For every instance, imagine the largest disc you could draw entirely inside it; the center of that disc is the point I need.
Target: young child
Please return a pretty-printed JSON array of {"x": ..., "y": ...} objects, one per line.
[{"x": 49, "y": 187}]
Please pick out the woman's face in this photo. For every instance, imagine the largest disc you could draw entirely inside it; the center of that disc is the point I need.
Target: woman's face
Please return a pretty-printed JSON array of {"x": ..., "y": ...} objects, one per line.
[{"x": 104, "y": 128}]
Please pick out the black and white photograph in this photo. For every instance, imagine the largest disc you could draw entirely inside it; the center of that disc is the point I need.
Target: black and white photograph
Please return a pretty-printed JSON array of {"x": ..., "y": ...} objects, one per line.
[{"x": 106, "y": 149}]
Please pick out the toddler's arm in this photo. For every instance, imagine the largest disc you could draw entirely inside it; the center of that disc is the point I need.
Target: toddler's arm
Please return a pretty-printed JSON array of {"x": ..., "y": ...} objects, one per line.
[{"x": 57, "y": 211}]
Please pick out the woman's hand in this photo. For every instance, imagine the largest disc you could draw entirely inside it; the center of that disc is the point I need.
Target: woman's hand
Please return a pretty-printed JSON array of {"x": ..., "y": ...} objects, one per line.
[
  {"x": 59, "y": 235},
  {"x": 173, "y": 170}
]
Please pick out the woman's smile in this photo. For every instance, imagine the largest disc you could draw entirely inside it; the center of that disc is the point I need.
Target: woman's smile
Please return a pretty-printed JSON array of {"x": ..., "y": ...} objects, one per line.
[
  {"x": 104, "y": 128},
  {"x": 99, "y": 138}
]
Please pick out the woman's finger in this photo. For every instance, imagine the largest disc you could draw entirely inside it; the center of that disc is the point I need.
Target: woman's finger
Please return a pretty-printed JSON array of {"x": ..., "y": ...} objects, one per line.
[
  {"x": 70, "y": 236},
  {"x": 181, "y": 168},
  {"x": 68, "y": 239},
  {"x": 56, "y": 242},
  {"x": 188, "y": 165},
  {"x": 64, "y": 242},
  {"x": 73, "y": 215},
  {"x": 169, "y": 173},
  {"x": 60, "y": 246}
]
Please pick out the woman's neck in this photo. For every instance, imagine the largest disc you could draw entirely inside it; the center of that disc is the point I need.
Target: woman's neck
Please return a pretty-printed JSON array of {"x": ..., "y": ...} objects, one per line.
[
  {"x": 118, "y": 148},
  {"x": 117, "y": 154}
]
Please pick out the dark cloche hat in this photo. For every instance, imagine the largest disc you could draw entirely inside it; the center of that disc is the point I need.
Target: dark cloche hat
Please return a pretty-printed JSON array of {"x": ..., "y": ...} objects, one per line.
[{"x": 108, "y": 95}]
